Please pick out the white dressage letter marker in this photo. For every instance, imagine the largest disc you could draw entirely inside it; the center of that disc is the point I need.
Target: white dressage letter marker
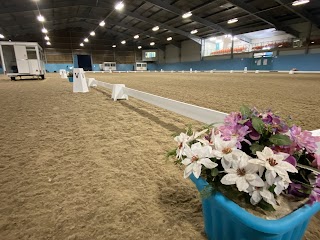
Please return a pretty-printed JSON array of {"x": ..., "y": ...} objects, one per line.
[
  {"x": 79, "y": 81},
  {"x": 118, "y": 92}
]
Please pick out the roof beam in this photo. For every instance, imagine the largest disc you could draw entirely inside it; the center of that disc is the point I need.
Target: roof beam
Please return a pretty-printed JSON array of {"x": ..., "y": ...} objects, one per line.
[
  {"x": 298, "y": 10},
  {"x": 250, "y": 9},
  {"x": 168, "y": 7}
]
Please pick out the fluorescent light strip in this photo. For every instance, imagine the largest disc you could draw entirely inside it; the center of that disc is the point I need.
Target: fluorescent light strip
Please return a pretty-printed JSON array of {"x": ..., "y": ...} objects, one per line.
[
  {"x": 300, "y": 2},
  {"x": 187, "y": 15},
  {"x": 234, "y": 20}
]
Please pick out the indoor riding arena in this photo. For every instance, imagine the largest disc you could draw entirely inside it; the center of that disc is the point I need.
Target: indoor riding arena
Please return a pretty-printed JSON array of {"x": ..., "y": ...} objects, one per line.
[{"x": 92, "y": 94}]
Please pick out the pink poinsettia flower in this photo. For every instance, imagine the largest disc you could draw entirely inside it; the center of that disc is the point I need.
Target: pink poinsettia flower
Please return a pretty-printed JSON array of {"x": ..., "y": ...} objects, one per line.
[
  {"x": 233, "y": 118},
  {"x": 304, "y": 139},
  {"x": 237, "y": 131}
]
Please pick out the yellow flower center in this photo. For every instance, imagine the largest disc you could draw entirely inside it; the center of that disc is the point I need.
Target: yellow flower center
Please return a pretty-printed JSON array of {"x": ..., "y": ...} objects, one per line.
[
  {"x": 194, "y": 158},
  {"x": 227, "y": 150},
  {"x": 241, "y": 172},
  {"x": 272, "y": 162}
]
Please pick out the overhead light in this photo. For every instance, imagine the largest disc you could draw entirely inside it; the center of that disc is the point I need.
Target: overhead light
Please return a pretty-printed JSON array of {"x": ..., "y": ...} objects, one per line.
[
  {"x": 44, "y": 30},
  {"x": 169, "y": 38},
  {"x": 86, "y": 40},
  {"x": 194, "y": 31},
  {"x": 1, "y": 36},
  {"x": 41, "y": 18},
  {"x": 233, "y": 20},
  {"x": 119, "y": 6},
  {"x": 48, "y": 43},
  {"x": 136, "y": 36},
  {"x": 139, "y": 47},
  {"x": 81, "y": 44},
  {"x": 187, "y": 15},
  {"x": 300, "y": 2},
  {"x": 46, "y": 38},
  {"x": 212, "y": 39},
  {"x": 92, "y": 33},
  {"x": 152, "y": 44},
  {"x": 102, "y": 23},
  {"x": 312, "y": 42},
  {"x": 123, "y": 42},
  {"x": 114, "y": 46},
  {"x": 156, "y": 28}
]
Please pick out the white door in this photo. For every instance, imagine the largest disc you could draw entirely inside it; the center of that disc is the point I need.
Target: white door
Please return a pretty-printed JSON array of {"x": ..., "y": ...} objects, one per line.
[{"x": 22, "y": 59}]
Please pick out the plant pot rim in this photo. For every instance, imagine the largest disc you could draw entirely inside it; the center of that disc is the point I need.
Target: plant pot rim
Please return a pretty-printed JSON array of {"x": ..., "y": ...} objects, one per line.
[{"x": 260, "y": 224}]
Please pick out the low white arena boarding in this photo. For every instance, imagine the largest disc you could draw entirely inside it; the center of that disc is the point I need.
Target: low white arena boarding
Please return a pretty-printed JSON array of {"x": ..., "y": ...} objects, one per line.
[{"x": 200, "y": 114}]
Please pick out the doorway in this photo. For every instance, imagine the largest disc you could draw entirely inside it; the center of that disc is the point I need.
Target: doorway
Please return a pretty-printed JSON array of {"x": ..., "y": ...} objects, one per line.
[{"x": 84, "y": 61}]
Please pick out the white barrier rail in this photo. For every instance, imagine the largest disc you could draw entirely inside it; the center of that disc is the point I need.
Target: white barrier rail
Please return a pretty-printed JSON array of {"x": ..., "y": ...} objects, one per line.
[{"x": 201, "y": 114}]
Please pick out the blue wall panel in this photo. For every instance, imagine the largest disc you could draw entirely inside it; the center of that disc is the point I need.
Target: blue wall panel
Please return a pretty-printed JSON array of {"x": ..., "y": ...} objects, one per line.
[
  {"x": 125, "y": 67},
  {"x": 51, "y": 67},
  {"x": 307, "y": 62}
]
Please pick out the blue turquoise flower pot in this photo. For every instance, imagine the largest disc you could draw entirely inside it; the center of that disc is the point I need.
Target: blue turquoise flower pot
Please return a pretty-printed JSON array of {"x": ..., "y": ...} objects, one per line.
[
  {"x": 225, "y": 220},
  {"x": 70, "y": 79}
]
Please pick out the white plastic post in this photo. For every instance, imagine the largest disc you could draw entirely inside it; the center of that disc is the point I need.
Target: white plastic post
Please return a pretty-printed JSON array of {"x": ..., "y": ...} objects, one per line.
[
  {"x": 118, "y": 92},
  {"x": 63, "y": 73},
  {"x": 291, "y": 72},
  {"x": 171, "y": 71},
  {"x": 161, "y": 70},
  {"x": 60, "y": 72},
  {"x": 110, "y": 71},
  {"x": 91, "y": 83},
  {"x": 245, "y": 70},
  {"x": 79, "y": 81},
  {"x": 182, "y": 71},
  {"x": 191, "y": 70},
  {"x": 257, "y": 71},
  {"x": 231, "y": 71},
  {"x": 211, "y": 71}
]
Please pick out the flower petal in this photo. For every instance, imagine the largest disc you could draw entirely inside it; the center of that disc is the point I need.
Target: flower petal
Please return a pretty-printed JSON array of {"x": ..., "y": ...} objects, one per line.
[
  {"x": 255, "y": 198},
  {"x": 270, "y": 176},
  {"x": 188, "y": 170},
  {"x": 197, "y": 169},
  {"x": 208, "y": 163},
  {"x": 186, "y": 161},
  {"x": 229, "y": 179},
  {"x": 242, "y": 184}
]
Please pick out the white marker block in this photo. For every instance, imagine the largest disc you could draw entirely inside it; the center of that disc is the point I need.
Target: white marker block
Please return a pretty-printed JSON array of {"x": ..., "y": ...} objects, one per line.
[
  {"x": 182, "y": 71},
  {"x": 291, "y": 72},
  {"x": 79, "y": 81},
  {"x": 91, "y": 82},
  {"x": 211, "y": 71},
  {"x": 231, "y": 71},
  {"x": 161, "y": 70},
  {"x": 191, "y": 70},
  {"x": 257, "y": 71},
  {"x": 118, "y": 92},
  {"x": 245, "y": 70},
  {"x": 110, "y": 71},
  {"x": 63, "y": 73},
  {"x": 171, "y": 71}
]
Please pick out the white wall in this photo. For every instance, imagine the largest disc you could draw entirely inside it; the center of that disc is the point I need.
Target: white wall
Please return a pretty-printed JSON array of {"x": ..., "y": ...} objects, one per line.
[
  {"x": 283, "y": 37},
  {"x": 190, "y": 51},
  {"x": 172, "y": 54}
]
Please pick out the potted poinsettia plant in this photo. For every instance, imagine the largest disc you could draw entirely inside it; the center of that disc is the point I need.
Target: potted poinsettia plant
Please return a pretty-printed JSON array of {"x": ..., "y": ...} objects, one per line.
[
  {"x": 261, "y": 162},
  {"x": 70, "y": 76}
]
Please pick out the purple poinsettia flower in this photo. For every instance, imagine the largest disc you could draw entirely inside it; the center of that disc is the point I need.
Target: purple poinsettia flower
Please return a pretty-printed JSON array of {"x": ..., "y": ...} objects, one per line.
[
  {"x": 296, "y": 189},
  {"x": 232, "y": 119},
  {"x": 304, "y": 139},
  {"x": 237, "y": 131},
  {"x": 314, "y": 196},
  {"x": 292, "y": 160}
]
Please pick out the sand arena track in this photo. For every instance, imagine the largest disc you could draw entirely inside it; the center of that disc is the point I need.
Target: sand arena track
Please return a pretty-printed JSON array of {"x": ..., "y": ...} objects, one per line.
[{"x": 80, "y": 166}]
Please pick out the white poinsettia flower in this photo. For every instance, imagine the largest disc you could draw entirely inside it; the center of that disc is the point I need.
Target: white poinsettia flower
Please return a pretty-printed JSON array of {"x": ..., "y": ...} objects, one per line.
[
  {"x": 243, "y": 174},
  {"x": 259, "y": 193},
  {"x": 183, "y": 139},
  {"x": 280, "y": 184},
  {"x": 275, "y": 165},
  {"x": 196, "y": 156},
  {"x": 226, "y": 151},
  {"x": 210, "y": 139}
]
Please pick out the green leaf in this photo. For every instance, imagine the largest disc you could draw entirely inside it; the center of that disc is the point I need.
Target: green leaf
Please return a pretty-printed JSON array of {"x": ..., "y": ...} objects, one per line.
[
  {"x": 266, "y": 206},
  {"x": 245, "y": 111},
  {"x": 243, "y": 121},
  {"x": 171, "y": 153},
  {"x": 256, "y": 147},
  {"x": 258, "y": 124},
  {"x": 280, "y": 140},
  {"x": 214, "y": 172}
]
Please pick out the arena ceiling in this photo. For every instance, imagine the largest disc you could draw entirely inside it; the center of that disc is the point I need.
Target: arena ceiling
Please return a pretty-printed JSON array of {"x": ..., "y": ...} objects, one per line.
[{"x": 70, "y": 21}]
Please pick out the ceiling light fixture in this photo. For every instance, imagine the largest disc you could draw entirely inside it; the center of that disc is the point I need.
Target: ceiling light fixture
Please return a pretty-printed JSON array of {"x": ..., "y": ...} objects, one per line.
[
  {"x": 81, "y": 44},
  {"x": 46, "y": 38},
  {"x": 156, "y": 28},
  {"x": 1, "y": 36},
  {"x": 194, "y": 31},
  {"x": 102, "y": 23},
  {"x": 152, "y": 44},
  {"x": 86, "y": 40},
  {"x": 44, "y": 30},
  {"x": 300, "y": 2},
  {"x": 41, "y": 18},
  {"x": 233, "y": 20},
  {"x": 114, "y": 46},
  {"x": 92, "y": 33},
  {"x": 187, "y": 15},
  {"x": 136, "y": 36},
  {"x": 123, "y": 42},
  {"x": 119, "y": 6},
  {"x": 48, "y": 43},
  {"x": 139, "y": 47},
  {"x": 169, "y": 38}
]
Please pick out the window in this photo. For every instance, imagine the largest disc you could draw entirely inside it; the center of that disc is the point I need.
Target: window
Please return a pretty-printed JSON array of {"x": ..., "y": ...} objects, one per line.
[{"x": 150, "y": 54}]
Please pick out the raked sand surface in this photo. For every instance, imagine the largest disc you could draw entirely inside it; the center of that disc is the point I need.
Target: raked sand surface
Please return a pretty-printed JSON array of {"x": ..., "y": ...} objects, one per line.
[{"x": 80, "y": 166}]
